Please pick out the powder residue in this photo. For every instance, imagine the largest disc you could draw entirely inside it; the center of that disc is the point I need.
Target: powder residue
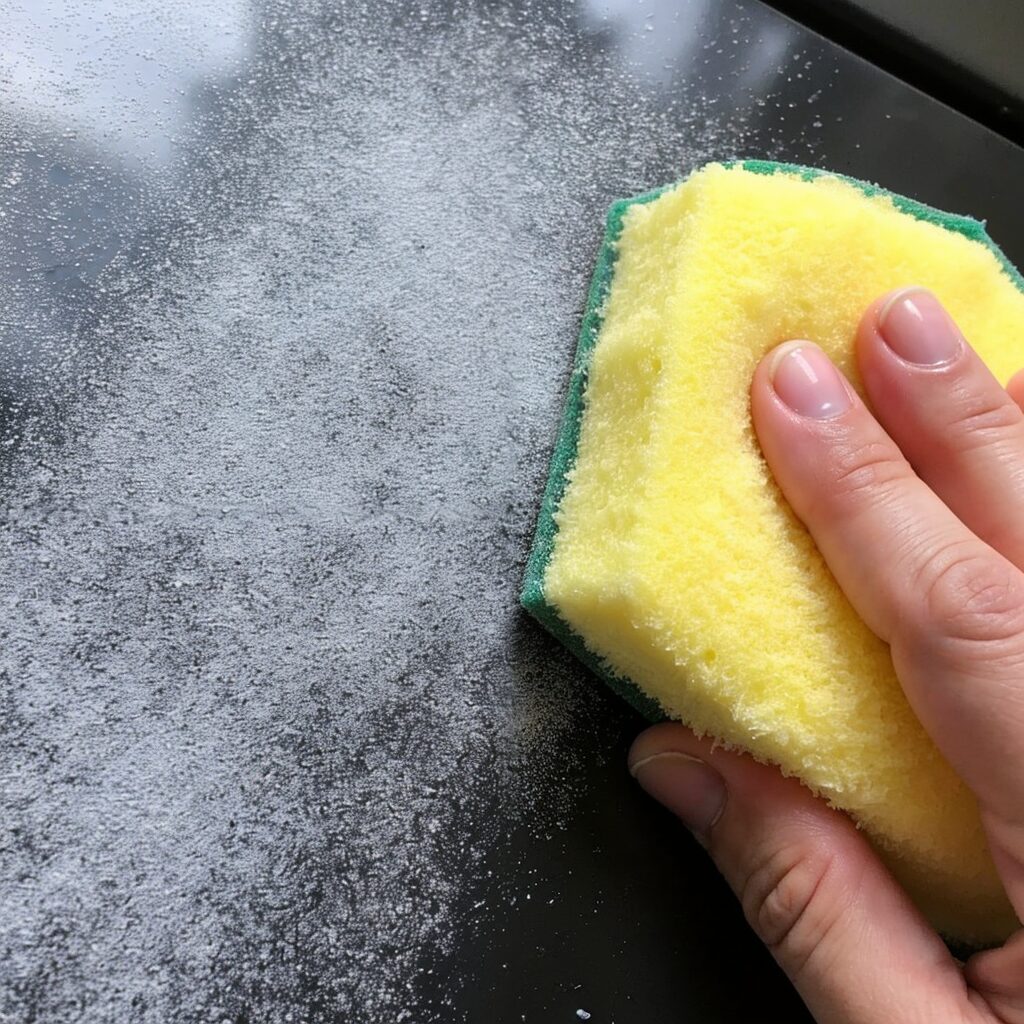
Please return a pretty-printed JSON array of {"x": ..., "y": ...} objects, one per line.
[{"x": 273, "y": 449}]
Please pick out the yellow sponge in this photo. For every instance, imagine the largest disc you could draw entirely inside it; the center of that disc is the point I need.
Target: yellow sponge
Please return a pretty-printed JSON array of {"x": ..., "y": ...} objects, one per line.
[{"x": 667, "y": 549}]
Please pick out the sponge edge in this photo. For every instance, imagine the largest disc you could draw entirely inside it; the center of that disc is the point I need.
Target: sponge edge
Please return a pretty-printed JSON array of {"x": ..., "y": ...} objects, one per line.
[{"x": 665, "y": 556}]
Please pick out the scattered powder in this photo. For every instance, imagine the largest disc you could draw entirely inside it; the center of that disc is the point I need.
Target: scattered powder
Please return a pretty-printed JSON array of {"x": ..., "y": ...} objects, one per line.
[{"x": 273, "y": 457}]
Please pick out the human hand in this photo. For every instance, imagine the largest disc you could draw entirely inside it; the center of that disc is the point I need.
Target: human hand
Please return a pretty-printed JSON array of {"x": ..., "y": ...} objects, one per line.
[{"x": 918, "y": 510}]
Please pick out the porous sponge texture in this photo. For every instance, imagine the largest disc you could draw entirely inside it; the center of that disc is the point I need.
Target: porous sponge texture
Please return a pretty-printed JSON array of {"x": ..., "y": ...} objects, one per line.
[{"x": 669, "y": 550}]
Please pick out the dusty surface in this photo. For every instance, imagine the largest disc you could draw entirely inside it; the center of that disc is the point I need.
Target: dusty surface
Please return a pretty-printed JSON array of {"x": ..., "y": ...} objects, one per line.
[{"x": 290, "y": 301}]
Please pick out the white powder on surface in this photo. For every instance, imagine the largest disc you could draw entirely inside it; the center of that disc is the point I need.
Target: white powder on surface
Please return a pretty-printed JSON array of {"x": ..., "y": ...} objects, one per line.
[{"x": 272, "y": 468}]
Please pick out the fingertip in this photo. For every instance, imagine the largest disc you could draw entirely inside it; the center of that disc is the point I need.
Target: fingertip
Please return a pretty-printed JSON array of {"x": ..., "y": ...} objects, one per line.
[
  {"x": 665, "y": 737},
  {"x": 868, "y": 341},
  {"x": 751, "y": 779},
  {"x": 912, "y": 326},
  {"x": 996, "y": 974},
  {"x": 888, "y": 301},
  {"x": 764, "y": 375},
  {"x": 761, "y": 381},
  {"x": 762, "y": 394},
  {"x": 798, "y": 378},
  {"x": 877, "y": 310},
  {"x": 774, "y": 358}
]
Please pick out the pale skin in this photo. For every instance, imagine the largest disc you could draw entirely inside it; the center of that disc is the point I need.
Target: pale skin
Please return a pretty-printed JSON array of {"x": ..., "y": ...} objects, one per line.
[{"x": 916, "y": 501}]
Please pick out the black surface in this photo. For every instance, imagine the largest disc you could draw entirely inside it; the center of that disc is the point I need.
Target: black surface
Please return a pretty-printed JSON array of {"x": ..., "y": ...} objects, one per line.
[
  {"x": 290, "y": 300},
  {"x": 963, "y": 52}
]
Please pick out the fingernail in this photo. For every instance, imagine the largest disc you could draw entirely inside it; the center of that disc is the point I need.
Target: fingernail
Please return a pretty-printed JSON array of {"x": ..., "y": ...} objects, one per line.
[
  {"x": 914, "y": 324},
  {"x": 689, "y": 788},
  {"x": 805, "y": 379}
]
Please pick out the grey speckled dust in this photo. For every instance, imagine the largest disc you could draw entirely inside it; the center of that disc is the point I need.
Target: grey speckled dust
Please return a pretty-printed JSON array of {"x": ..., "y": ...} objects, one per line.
[{"x": 267, "y": 498}]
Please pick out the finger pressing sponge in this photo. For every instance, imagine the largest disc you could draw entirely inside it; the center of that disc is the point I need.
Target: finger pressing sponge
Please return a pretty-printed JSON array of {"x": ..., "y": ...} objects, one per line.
[{"x": 666, "y": 557}]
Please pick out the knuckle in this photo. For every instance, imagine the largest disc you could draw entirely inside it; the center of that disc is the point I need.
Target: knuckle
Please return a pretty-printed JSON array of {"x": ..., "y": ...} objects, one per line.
[
  {"x": 972, "y": 596},
  {"x": 783, "y": 900},
  {"x": 979, "y": 421},
  {"x": 862, "y": 473}
]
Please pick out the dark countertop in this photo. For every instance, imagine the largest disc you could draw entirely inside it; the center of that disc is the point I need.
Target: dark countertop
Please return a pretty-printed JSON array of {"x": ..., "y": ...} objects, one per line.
[
  {"x": 963, "y": 52},
  {"x": 979, "y": 36},
  {"x": 290, "y": 297}
]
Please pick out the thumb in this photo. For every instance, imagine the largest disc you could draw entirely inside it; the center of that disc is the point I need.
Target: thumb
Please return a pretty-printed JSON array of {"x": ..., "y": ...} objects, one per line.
[{"x": 811, "y": 887}]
